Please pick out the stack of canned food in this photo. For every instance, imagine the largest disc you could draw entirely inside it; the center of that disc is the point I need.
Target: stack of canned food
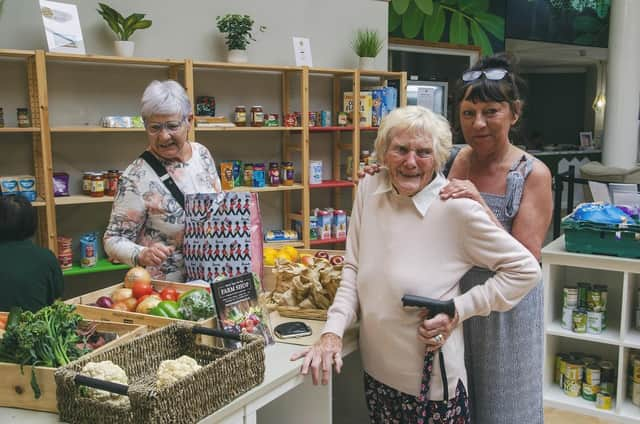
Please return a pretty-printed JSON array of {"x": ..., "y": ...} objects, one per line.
[
  {"x": 584, "y": 308},
  {"x": 579, "y": 374},
  {"x": 633, "y": 377}
]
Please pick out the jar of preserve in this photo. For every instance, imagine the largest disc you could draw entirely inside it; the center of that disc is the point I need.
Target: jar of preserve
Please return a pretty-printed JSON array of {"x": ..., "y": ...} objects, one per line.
[
  {"x": 111, "y": 182},
  {"x": 287, "y": 173},
  {"x": 274, "y": 174},
  {"x": 240, "y": 116},
  {"x": 257, "y": 116},
  {"x": 23, "y": 117},
  {"x": 86, "y": 183},
  {"x": 248, "y": 174},
  {"x": 97, "y": 185}
]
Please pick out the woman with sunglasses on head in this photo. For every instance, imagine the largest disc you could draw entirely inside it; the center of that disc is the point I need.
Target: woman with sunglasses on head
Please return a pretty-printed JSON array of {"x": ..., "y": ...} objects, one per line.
[
  {"x": 503, "y": 351},
  {"x": 146, "y": 226}
]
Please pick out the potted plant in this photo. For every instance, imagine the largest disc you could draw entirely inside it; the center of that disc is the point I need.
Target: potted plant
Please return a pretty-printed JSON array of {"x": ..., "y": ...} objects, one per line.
[
  {"x": 237, "y": 30},
  {"x": 123, "y": 27},
  {"x": 367, "y": 44}
]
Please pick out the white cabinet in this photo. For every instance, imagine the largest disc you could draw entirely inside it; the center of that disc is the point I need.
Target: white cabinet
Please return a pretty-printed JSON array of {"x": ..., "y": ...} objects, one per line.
[{"x": 622, "y": 278}]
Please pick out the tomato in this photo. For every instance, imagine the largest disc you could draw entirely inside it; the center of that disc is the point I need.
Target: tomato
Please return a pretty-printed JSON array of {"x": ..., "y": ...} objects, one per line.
[
  {"x": 169, "y": 294},
  {"x": 140, "y": 288}
]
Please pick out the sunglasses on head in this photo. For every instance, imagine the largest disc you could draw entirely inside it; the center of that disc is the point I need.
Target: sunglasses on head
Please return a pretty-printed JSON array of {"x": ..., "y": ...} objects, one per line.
[{"x": 494, "y": 74}]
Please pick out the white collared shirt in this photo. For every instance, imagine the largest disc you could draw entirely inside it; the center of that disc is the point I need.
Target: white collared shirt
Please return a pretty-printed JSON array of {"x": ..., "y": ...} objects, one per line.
[{"x": 422, "y": 199}]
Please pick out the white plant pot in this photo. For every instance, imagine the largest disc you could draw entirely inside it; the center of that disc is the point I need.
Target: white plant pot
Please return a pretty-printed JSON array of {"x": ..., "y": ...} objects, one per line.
[
  {"x": 366, "y": 62},
  {"x": 237, "y": 56},
  {"x": 125, "y": 48}
]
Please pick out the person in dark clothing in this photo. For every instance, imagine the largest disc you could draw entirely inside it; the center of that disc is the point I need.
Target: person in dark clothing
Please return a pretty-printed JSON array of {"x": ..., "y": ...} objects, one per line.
[{"x": 30, "y": 276}]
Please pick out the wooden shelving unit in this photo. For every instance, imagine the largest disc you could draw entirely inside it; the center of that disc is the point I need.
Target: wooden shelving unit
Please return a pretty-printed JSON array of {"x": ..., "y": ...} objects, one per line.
[{"x": 295, "y": 141}]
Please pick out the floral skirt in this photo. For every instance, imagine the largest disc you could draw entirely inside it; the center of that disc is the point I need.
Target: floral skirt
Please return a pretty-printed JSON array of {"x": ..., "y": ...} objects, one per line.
[{"x": 389, "y": 406}]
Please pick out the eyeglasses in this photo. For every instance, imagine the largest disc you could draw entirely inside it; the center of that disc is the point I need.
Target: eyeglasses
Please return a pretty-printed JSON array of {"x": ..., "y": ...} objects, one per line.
[
  {"x": 494, "y": 74},
  {"x": 171, "y": 126}
]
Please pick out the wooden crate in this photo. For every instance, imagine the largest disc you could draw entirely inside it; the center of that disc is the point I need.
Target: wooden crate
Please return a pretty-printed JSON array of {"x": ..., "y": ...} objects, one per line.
[
  {"x": 15, "y": 390},
  {"x": 83, "y": 305},
  {"x": 269, "y": 283}
]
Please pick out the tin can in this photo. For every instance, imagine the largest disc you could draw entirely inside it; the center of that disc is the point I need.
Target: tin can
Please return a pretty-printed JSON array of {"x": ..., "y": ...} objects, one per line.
[
  {"x": 635, "y": 368},
  {"x": 635, "y": 393},
  {"x": 590, "y": 360},
  {"x": 571, "y": 387},
  {"x": 313, "y": 228},
  {"x": 561, "y": 364},
  {"x": 579, "y": 318},
  {"x": 65, "y": 252},
  {"x": 607, "y": 377},
  {"x": 567, "y": 318},
  {"x": 594, "y": 300},
  {"x": 325, "y": 118},
  {"x": 604, "y": 293},
  {"x": 603, "y": 400},
  {"x": 594, "y": 322},
  {"x": 570, "y": 297},
  {"x": 592, "y": 375},
  {"x": 583, "y": 289},
  {"x": 589, "y": 392},
  {"x": 315, "y": 172},
  {"x": 574, "y": 370}
]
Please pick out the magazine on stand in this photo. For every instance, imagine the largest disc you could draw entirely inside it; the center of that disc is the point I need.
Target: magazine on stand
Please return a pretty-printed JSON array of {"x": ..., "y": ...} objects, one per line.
[{"x": 238, "y": 309}]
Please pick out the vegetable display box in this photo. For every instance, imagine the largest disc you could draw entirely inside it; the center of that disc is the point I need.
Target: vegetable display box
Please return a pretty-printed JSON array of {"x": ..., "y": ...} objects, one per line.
[
  {"x": 87, "y": 306},
  {"x": 591, "y": 238},
  {"x": 225, "y": 375},
  {"x": 16, "y": 391}
]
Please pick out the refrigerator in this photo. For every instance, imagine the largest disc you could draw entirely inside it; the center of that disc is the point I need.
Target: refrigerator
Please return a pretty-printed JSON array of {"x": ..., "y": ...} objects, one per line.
[{"x": 429, "y": 94}]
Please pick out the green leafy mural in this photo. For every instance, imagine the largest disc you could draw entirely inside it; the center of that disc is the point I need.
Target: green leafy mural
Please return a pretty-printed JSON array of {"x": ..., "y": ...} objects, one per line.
[{"x": 455, "y": 21}]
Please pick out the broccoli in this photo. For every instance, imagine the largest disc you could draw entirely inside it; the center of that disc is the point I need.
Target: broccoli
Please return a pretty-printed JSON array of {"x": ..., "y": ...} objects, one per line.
[{"x": 196, "y": 305}]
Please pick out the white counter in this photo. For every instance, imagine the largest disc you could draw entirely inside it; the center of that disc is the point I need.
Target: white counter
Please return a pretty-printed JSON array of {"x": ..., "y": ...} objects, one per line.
[{"x": 308, "y": 404}]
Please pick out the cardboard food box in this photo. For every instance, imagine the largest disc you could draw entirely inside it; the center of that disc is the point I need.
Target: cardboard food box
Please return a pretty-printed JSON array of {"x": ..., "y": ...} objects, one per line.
[
  {"x": 85, "y": 307},
  {"x": 366, "y": 104},
  {"x": 16, "y": 391}
]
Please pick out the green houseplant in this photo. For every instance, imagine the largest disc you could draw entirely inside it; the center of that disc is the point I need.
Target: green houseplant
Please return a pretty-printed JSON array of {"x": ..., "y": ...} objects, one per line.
[
  {"x": 237, "y": 30},
  {"x": 123, "y": 27},
  {"x": 367, "y": 44}
]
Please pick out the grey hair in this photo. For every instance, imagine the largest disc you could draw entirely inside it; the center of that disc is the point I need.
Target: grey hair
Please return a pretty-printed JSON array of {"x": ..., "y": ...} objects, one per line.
[
  {"x": 164, "y": 98},
  {"x": 417, "y": 121}
]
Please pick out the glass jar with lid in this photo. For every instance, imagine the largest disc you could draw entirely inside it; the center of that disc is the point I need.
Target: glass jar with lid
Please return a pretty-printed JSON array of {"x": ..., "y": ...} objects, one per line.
[
  {"x": 286, "y": 176},
  {"x": 240, "y": 116},
  {"x": 257, "y": 116},
  {"x": 97, "y": 185},
  {"x": 23, "y": 117}
]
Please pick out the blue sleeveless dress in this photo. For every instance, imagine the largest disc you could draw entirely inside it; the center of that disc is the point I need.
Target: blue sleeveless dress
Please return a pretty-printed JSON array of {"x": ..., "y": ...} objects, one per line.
[{"x": 504, "y": 351}]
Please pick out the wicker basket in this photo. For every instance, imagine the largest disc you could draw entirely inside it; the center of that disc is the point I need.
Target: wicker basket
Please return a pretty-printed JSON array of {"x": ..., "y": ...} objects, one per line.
[{"x": 225, "y": 374}]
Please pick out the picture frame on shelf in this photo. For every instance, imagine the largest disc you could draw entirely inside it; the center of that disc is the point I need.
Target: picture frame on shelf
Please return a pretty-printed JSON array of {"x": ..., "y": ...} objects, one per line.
[
  {"x": 62, "y": 27},
  {"x": 586, "y": 139}
]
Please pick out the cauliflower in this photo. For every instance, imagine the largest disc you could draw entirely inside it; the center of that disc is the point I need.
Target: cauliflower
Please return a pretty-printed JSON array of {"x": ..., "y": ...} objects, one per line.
[
  {"x": 106, "y": 370},
  {"x": 172, "y": 370}
]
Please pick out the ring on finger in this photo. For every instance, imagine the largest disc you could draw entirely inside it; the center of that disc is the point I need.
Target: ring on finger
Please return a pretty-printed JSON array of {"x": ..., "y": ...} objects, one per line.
[{"x": 438, "y": 338}]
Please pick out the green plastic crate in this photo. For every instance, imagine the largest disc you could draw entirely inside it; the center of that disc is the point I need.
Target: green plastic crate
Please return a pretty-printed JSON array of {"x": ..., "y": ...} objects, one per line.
[{"x": 586, "y": 237}]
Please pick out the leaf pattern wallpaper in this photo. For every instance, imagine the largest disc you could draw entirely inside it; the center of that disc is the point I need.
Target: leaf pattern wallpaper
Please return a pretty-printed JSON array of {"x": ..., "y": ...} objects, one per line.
[{"x": 467, "y": 22}]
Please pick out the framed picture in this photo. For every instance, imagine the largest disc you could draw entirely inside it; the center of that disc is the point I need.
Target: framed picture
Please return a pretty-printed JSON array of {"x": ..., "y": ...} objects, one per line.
[
  {"x": 586, "y": 139},
  {"x": 62, "y": 27}
]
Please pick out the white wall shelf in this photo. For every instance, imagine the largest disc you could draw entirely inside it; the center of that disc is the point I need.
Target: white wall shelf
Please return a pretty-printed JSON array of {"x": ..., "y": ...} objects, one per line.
[{"x": 622, "y": 278}]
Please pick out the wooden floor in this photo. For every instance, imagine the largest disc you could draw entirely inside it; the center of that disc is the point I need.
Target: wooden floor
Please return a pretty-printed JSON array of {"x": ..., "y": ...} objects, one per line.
[{"x": 555, "y": 416}]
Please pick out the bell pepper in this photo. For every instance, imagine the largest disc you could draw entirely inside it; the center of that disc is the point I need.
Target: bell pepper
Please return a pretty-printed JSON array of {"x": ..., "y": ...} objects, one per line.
[{"x": 167, "y": 308}]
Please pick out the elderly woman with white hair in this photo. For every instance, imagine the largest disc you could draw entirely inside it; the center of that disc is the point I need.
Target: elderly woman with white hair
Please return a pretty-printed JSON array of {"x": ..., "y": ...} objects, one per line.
[
  {"x": 394, "y": 213},
  {"x": 146, "y": 226}
]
